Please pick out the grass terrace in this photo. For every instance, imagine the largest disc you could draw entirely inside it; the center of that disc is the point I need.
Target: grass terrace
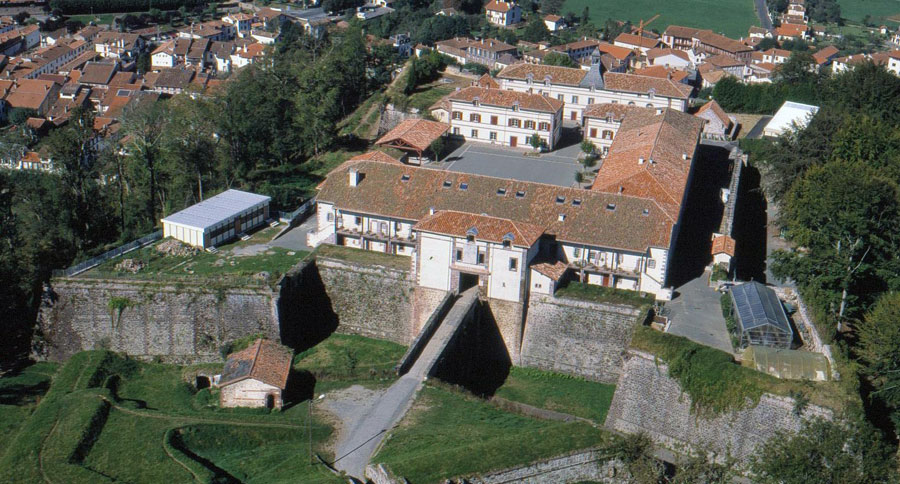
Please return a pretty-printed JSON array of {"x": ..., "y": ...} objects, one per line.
[
  {"x": 558, "y": 392},
  {"x": 359, "y": 256},
  {"x": 19, "y": 394},
  {"x": 717, "y": 384},
  {"x": 603, "y": 295},
  {"x": 730, "y": 17},
  {"x": 107, "y": 418},
  {"x": 343, "y": 360},
  {"x": 450, "y": 433},
  {"x": 240, "y": 262}
]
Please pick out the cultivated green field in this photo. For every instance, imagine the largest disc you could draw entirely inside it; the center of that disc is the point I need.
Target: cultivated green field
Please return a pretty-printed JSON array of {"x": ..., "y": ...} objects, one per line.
[
  {"x": 730, "y": 17},
  {"x": 880, "y": 10}
]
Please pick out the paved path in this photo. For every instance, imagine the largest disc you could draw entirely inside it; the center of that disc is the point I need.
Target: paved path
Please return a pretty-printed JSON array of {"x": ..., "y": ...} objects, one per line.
[
  {"x": 295, "y": 239},
  {"x": 696, "y": 314},
  {"x": 357, "y": 446},
  {"x": 762, "y": 11}
]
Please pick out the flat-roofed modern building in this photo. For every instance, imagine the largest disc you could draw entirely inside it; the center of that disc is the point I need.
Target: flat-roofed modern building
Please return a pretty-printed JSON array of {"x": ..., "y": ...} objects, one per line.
[{"x": 217, "y": 219}]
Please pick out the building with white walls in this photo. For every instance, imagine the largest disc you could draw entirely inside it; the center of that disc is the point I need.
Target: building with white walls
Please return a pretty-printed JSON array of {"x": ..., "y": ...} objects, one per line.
[{"x": 217, "y": 219}]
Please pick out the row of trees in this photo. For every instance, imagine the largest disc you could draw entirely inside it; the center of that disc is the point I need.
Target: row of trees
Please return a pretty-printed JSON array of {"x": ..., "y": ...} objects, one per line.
[{"x": 75, "y": 7}]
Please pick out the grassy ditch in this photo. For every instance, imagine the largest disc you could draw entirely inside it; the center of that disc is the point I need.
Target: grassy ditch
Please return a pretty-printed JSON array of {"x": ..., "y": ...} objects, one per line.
[
  {"x": 449, "y": 433},
  {"x": 558, "y": 392},
  {"x": 717, "y": 384}
]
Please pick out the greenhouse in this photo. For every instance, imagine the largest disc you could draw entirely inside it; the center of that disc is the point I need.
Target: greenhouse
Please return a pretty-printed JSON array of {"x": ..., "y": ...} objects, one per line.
[
  {"x": 760, "y": 316},
  {"x": 787, "y": 364}
]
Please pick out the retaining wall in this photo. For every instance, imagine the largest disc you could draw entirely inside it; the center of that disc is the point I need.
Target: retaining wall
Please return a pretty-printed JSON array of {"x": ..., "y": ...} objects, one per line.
[
  {"x": 648, "y": 401},
  {"x": 578, "y": 337}
]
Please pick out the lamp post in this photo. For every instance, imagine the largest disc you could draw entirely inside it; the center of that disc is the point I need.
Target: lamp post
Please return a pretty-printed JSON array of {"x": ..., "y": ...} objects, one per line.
[{"x": 309, "y": 424}]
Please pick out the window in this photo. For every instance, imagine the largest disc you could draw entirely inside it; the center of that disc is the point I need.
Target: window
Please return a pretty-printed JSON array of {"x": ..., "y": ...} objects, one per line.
[
  {"x": 529, "y": 124},
  {"x": 494, "y": 120},
  {"x": 330, "y": 217},
  {"x": 357, "y": 220},
  {"x": 607, "y": 134},
  {"x": 610, "y": 206},
  {"x": 520, "y": 194},
  {"x": 475, "y": 118},
  {"x": 515, "y": 122},
  {"x": 513, "y": 264},
  {"x": 590, "y": 100},
  {"x": 463, "y": 186},
  {"x": 507, "y": 243},
  {"x": 649, "y": 105},
  {"x": 646, "y": 211},
  {"x": 457, "y": 115},
  {"x": 631, "y": 103},
  {"x": 474, "y": 133},
  {"x": 480, "y": 257},
  {"x": 576, "y": 252},
  {"x": 576, "y": 202},
  {"x": 404, "y": 178},
  {"x": 560, "y": 199},
  {"x": 458, "y": 254},
  {"x": 544, "y": 126},
  {"x": 593, "y": 132},
  {"x": 501, "y": 192},
  {"x": 651, "y": 264},
  {"x": 492, "y": 135},
  {"x": 575, "y": 99},
  {"x": 515, "y": 106},
  {"x": 560, "y": 97},
  {"x": 456, "y": 131}
]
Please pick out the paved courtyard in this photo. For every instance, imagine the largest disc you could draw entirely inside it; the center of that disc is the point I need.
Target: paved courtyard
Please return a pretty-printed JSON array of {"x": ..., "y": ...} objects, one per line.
[
  {"x": 556, "y": 168},
  {"x": 696, "y": 314}
]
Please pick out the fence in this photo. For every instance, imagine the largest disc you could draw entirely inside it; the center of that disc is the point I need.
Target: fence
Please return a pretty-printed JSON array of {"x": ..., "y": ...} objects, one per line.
[
  {"x": 287, "y": 217},
  {"x": 123, "y": 249}
]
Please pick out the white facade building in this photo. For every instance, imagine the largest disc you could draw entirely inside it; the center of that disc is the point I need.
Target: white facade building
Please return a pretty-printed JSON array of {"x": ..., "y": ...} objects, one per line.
[
  {"x": 506, "y": 118},
  {"x": 503, "y": 12},
  {"x": 217, "y": 219}
]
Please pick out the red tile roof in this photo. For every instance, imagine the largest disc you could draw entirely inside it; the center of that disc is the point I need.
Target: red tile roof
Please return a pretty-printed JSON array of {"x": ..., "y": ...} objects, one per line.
[
  {"x": 615, "y": 81},
  {"x": 487, "y": 81},
  {"x": 655, "y": 53},
  {"x": 498, "y": 6},
  {"x": 825, "y": 54},
  {"x": 723, "y": 244},
  {"x": 640, "y": 41},
  {"x": 414, "y": 133},
  {"x": 662, "y": 72},
  {"x": 507, "y": 99},
  {"x": 605, "y": 110},
  {"x": 483, "y": 227},
  {"x": 716, "y": 110},
  {"x": 554, "y": 270},
  {"x": 791, "y": 30},
  {"x": 264, "y": 360},
  {"x": 651, "y": 157},
  {"x": 569, "y": 76}
]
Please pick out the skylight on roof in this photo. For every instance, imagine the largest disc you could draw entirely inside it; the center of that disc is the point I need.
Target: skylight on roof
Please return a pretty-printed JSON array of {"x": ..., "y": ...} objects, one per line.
[
  {"x": 448, "y": 183},
  {"x": 610, "y": 206},
  {"x": 520, "y": 194},
  {"x": 560, "y": 199},
  {"x": 501, "y": 192},
  {"x": 463, "y": 186},
  {"x": 646, "y": 211},
  {"x": 404, "y": 177},
  {"x": 576, "y": 202}
]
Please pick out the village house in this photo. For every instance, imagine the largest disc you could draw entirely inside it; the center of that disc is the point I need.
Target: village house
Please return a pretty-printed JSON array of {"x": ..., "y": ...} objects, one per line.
[
  {"x": 503, "y": 13},
  {"x": 215, "y": 30},
  {"x": 636, "y": 42},
  {"x": 242, "y": 22},
  {"x": 824, "y": 56},
  {"x": 791, "y": 32},
  {"x": 705, "y": 42},
  {"x": 509, "y": 237},
  {"x": 506, "y": 118},
  {"x": 893, "y": 63},
  {"x": 771, "y": 56},
  {"x": 579, "y": 88},
  {"x": 662, "y": 72},
  {"x": 119, "y": 45},
  {"x": 34, "y": 94},
  {"x": 795, "y": 13},
  {"x": 256, "y": 376},
  {"x": 488, "y": 52},
  {"x": 601, "y": 122},
  {"x": 554, "y": 23},
  {"x": 669, "y": 57},
  {"x": 717, "y": 124}
]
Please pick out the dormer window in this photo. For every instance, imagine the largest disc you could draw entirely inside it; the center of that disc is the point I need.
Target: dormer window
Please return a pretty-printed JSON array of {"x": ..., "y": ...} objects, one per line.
[
  {"x": 576, "y": 202},
  {"x": 448, "y": 183},
  {"x": 463, "y": 186},
  {"x": 560, "y": 199},
  {"x": 610, "y": 206},
  {"x": 520, "y": 194},
  {"x": 645, "y": 212},
  {"x": 404, "y": 178},
  {"x": 501, "y": 192},
  {"x": 475, "y": 101}
]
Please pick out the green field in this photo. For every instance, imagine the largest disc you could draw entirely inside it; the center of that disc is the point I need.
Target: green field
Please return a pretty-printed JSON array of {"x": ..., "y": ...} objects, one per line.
[
  {"x": 19, "y": 393},
  {"x": 343, "y": 359},
  {"x": 448, "y": 433},
  {"x": 557, "y": 392},
  {"x": 880, "y": 10},
  {"x": 729, "y": 17}
]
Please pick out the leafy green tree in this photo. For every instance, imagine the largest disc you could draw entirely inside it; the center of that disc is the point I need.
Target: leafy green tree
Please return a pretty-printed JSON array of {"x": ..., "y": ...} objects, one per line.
[
  {"x": 535, "y": 141},
  {"x": 142, "y": 132},
  {"x": 559, "y": 59},
  {"x": 826, "y": 452},
  {"x": 844, "y": 218},
  {"x": 536, "y": 30},
  {"x": 879, "y": 348}
]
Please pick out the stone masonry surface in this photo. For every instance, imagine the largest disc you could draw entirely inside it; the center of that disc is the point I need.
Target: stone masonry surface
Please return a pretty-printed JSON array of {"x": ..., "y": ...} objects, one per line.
[
  {"x": 182, "y": 323},
  {"x": 647, "y": 400},
  {"x": 577, "y": 337},
  {"x": 369, "y": 300}
]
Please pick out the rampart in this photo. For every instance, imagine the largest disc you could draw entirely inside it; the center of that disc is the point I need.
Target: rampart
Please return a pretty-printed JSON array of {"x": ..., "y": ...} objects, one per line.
[
  {"x": 648, "y": 401},
  {"x": 584, "y": 338}
]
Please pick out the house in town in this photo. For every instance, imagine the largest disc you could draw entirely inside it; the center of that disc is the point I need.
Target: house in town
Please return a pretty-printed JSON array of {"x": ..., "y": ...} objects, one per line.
[
  {"x": 503, "y": 13},
  {"x": 791, "y": 32},
  {"x": 488, "y": 52},
  {"x": 601, "y": 122},
  {"x": 242, "y": 22},
  {"x": 669, "y": 57},
  {"x": 36, "y": 94},
  {"x": 510, "y": 237},
  {"x": 505, "y": 118},
  {"x": 771, "y": 56},
  {"x": 717, "y": 124},
  {"x": 256, "y": 376},
  {"x": 554, "y": 23},
  {"x": 119, "y": 45},
  {"x": 217, "y": 219},
  {"x": 638, "y": 43},
  {"x": 661, "y": 72},
  {"x": 705, "y": 42},
  {"x": 825, "y": 55}
]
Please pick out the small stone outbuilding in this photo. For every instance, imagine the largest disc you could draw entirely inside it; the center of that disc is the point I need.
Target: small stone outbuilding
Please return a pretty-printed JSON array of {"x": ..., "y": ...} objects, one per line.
[{"x": 256, "y": 376}]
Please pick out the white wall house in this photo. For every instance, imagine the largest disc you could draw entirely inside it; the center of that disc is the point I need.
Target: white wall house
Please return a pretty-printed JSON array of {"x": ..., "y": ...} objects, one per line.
[
  {"x": 255, "y": 376},
  {"x": 503, "y": 12},
  {"x": 505, "y": 118},
  {"x": 601, "y": 122},
  {"x": 217, "y": 219},
  {"x": 579, "y": 88}
]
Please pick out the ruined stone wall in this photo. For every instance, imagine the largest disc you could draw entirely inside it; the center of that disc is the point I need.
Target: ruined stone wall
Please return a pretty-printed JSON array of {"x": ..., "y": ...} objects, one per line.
[
  {"x": 178, "y": 322},
  {"x": 578, "y": 337},
  {"x": 647, "y": 400},
  {"x": 369, "y": 300}
]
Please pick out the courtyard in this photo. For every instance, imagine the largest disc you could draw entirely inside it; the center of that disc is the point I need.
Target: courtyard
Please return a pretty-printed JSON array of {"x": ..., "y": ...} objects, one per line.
[{"x": 557, "y": 167}]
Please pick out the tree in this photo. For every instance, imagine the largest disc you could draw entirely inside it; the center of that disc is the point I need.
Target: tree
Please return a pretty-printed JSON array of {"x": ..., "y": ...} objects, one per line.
[
  {"x": 587, "y": 147},
  {"x": 879, "y": 348},
  {"x": 18, "y": 116},
  {"x": 551, "y": 6},
  {"x": 21, "y": 17},
  {"x": 437, "y": 147},
  {"x": 828, "y": 452},
  {"x": 559, "y": 59},
  {"x": 536, "y": 30},
  {"x": 844, "y": 218},
  {"x": 535, "y": 141}
]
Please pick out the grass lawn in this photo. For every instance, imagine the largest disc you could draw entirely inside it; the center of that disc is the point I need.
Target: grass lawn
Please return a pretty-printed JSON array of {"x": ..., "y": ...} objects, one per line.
[
  {"x": 237, "y": 262},
  {"x": 880, "y": 10},
  {"x": 350, "y": 357},
  {"x": 600, "y": 294},
  {"x": 557, "y": 392},
  {"x": 350, "y": 254},
  {"x": 451, "y": 434},
  {"x": 99, "y": 19},
  {"x": 19, "y": 394},
  {"x": 730, "y": 17}
]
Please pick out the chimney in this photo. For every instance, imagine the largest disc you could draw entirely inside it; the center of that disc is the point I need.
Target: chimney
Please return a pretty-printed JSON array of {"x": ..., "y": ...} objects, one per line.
[
  {"x": 430, "y": 210},
  {"x": 355, "y": 177},
  {"x": 621, "y": 189},
  {"x": 641, "y": 160},
  {"x": 684, "y": 156}
]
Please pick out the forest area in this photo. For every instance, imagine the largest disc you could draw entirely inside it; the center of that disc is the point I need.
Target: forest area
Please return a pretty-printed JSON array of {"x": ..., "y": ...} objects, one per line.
[{"x": 258, "y": 133}]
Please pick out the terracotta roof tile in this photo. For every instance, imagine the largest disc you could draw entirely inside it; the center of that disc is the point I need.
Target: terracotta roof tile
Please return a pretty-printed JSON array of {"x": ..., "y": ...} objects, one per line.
[
  {"x": 487, "y": 81},
  {"x": 662, "y": 72},
  {"x": 569, "y": 76},
  {"x": 498, "y": 6},
  {"x": 615, "y": 81},
  {"x": 604, "y": 110},
  {"x": 640, "y": 41},
  {"x": 717, "y": 110},
  {"x": 507, "y": 99},
  {"x": 483, "y": 227},
  {"x": 726, "y": 44},
  {"x": 554, "y": 270},
  {"x": 415, "y": 133},
  {"x": 264, "y": 360},
  {"x": 656, "y": 53},
  {"x": 723, "y": 244}
]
